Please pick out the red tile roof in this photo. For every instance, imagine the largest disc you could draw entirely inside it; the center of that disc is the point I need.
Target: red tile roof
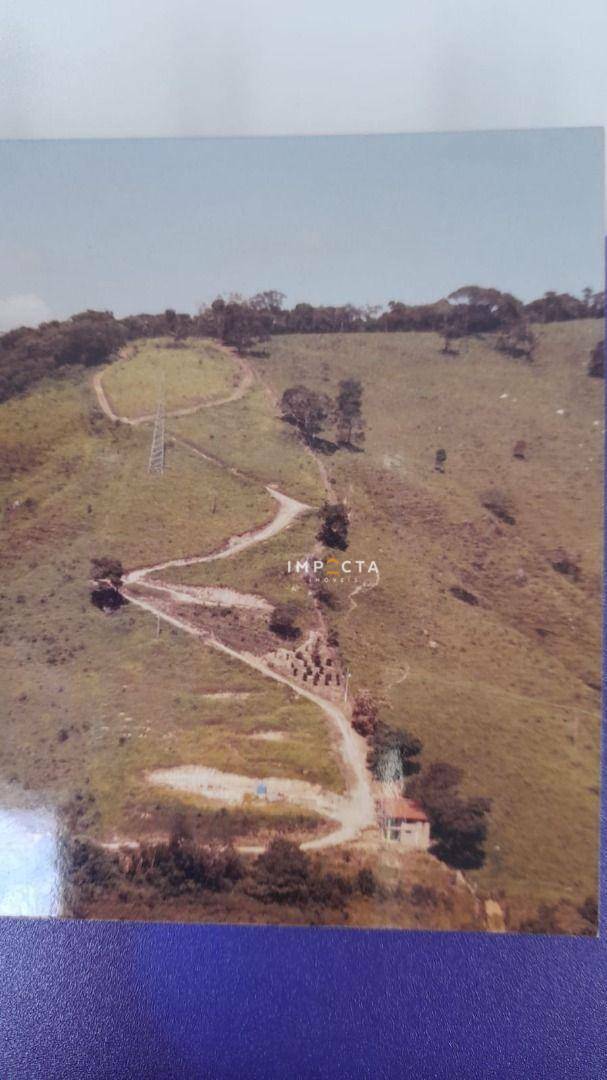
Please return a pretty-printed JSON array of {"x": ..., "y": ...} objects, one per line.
[{"x": 405, "y": 809}]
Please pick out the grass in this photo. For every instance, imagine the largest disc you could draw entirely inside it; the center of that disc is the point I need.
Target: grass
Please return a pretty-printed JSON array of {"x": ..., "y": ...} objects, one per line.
[
  {"x": 505, "y": 692},
  {"x": 93, "y": 701},
  {"x": 188, "y": 371},
  {"x": 83, "y": 476},
  {"x": 253, "y": 438}
]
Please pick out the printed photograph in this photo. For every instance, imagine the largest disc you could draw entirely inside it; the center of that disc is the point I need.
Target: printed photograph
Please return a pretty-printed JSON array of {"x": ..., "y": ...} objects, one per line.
[{"x": 301, "y": 448}]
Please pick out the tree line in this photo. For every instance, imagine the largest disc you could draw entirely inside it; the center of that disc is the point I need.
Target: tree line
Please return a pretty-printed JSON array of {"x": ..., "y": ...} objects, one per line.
[
  {"x": 92, "y": 337},
  {"x": 181, "y": 867}
]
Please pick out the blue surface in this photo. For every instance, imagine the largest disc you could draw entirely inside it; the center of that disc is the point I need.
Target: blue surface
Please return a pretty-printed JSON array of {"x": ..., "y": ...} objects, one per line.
[{"x": 113, "y": 1000}]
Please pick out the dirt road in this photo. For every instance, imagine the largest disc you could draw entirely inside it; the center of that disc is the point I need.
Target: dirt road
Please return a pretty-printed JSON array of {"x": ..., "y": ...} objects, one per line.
[{"x": 353, "y": 811}]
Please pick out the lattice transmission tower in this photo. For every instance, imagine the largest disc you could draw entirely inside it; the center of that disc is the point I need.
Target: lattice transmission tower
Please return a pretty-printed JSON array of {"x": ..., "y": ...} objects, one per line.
[{"x": 156, "y": 462}]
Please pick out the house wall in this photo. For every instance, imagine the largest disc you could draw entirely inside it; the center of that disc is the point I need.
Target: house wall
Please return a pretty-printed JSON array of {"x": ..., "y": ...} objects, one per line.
[{"x": 413, "y": 834}]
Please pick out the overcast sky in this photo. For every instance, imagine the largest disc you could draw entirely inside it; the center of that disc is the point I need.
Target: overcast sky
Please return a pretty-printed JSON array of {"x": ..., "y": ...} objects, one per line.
[
  {"x": 146, "y": 225},
  {"x": 140, "y": 225},
  {"x": 191, "y": 67}
]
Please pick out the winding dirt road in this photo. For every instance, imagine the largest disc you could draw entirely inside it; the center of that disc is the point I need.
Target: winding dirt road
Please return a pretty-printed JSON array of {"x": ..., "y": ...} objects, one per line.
[{"x": 354, "y": 811}]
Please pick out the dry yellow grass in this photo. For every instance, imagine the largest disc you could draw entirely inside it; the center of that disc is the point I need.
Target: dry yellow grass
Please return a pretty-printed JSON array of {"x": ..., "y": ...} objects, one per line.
[{"x": 509, "y": 691}]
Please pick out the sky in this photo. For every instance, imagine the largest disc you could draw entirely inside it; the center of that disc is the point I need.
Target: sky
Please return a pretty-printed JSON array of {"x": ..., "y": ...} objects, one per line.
[
  {"x": 190, "y": 67},
  {"x": 141, "y": 225}
]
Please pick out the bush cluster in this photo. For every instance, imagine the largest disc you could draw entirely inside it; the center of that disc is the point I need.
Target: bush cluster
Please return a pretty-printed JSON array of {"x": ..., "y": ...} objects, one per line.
[{"x": 283, "y": 874}]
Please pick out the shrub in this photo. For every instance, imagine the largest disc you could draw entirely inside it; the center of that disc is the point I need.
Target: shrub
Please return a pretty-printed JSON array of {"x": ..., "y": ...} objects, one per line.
[
  {"x": 364, "y": 714},
  {"x": 423, "y": 896},
  {"x": 281, "y": 874},
  {"x": 331, "y": 890},
  {"x": 464, "y": 595},
  {"x": 499, "y": 504},
  {"x": 107, "y": 598},
  {"x": 107, "y": 571},
  {"x": 439, "y": 460},
  {"x": 518, "y": 340},
  {"x": 590, "y": 913},
  {"x": 87, "y": 872},
  {"x": 366, "y": 882},
  {"x": 182, "y": 866},
  {"x": 107, "y": 568},
  {"x": 566, "y": 565},
  {"x": 333, "y": 530},
  {"x": 283, "y": 620}
]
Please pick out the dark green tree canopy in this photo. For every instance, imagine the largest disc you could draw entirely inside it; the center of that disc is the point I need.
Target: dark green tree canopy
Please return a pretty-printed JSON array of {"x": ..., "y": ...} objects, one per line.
[
  {"x": 282, "y": 874},
  {"x": 333, "y": 530},
  {"x": 458, "y": 825},
  {"x": 308, "y": 410}
]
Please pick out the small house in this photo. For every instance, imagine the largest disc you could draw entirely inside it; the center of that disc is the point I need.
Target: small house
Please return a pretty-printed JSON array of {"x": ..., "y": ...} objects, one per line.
[{"x": 404, "y": 822}]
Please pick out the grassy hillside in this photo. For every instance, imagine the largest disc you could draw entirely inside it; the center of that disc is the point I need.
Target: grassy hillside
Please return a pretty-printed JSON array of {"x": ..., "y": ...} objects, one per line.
[
  {"x": 91, "y": 701},
  {"x": 252, "y": 437},
  {"x": 508, "y": 689}
]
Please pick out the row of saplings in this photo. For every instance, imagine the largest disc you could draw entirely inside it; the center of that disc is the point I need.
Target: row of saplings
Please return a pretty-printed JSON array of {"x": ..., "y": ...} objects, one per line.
[
  {"x": 458, "y": 825},
  {"x": 181, "y": 868}
]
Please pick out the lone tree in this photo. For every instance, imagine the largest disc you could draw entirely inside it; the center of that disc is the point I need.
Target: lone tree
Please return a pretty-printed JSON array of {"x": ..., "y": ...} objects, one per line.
[
  {"x": 596, "y": 366},
  {"x": 458, "y": 826},
  {"x": 307, "y": 410},
  {"x": 348, "y": 413},
  {"x": 334, "y": 525},
  {"x": 439, "y": 460}
]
